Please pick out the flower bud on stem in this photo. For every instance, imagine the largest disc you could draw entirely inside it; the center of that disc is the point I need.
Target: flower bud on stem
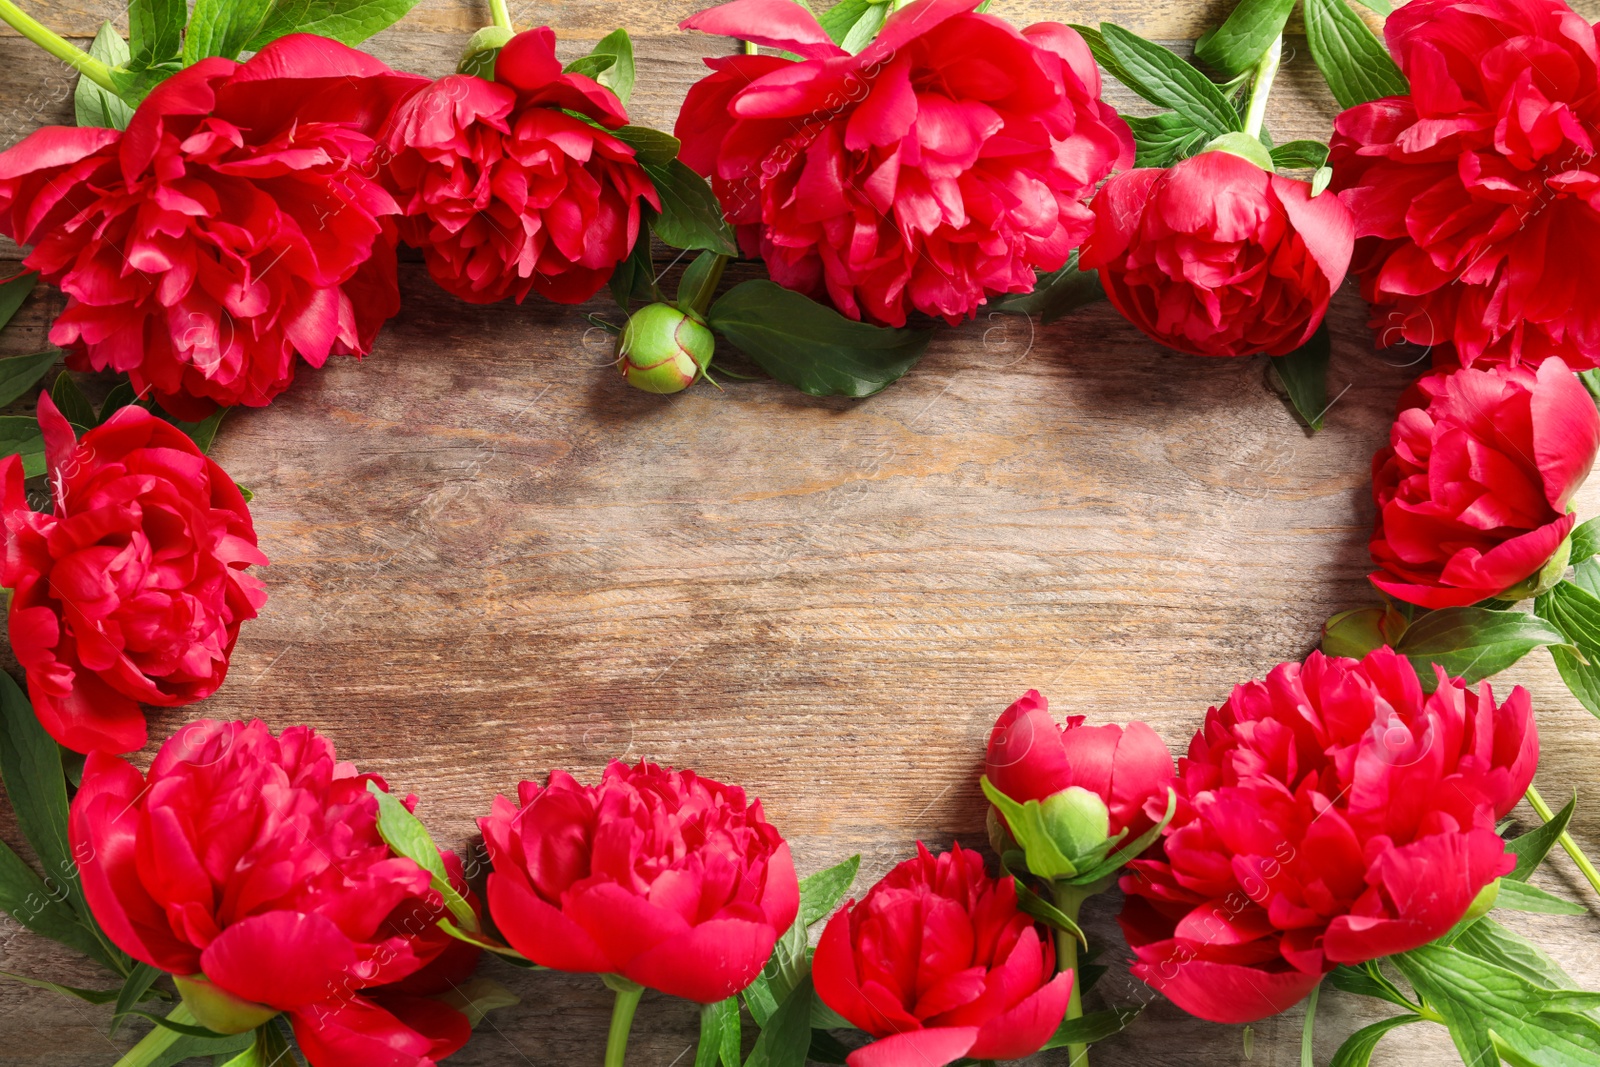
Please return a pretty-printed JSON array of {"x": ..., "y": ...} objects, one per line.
[
  {"x": 628, "y": 994},
  {"x": 1070, "y": 898},
  {"x": 1585, "y": 865}
]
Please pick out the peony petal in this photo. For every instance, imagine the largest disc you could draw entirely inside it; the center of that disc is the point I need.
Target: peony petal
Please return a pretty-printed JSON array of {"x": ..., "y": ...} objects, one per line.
[
  {"x": 917, "y": 1048},
  {"x": 708, "y": 963},
  {"x": 774, "y": 23},
  {"x": 281, "y": 958}
]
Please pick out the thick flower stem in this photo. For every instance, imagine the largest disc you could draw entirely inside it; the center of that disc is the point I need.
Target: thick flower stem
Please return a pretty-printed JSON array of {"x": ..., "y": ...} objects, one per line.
[
  {"x": 628, "y": 994},
  {"x": 151, "y": 1047},
  {"x": 1261, "y": 86},
  {"x": 63, "y": 50},
  {"x": 1069, "y": 899},
  {"x": 497, "y": 12},
  {"x": 1584, "y": 863}
]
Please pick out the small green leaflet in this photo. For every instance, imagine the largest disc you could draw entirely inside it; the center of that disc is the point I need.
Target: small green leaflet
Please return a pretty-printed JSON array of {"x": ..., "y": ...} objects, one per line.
[
  {"x": 92, "y": 105},
  {"x": 1473, "y": 643},
  {"x": 821, "y": 893},
  {"x": 155, "y": 32},
  {"x": 1575, "y": 612},
  {"x": 135, "y": 991},
  {"x": 1488, "y": 940},
  {"x": 1532, "y": 847},
  {"x": 811, "y": 347},
  {"x": 650, "y": 147},
  {"x": 1300, "y": 155},
  {"x": 1239, "y": 43},
  {"x": 719, "y": 1034},
  {"x": 204, "y": 432},
  {"x": 634, "y": 278},
  {"x": 13, "y": 291},
  {"x": 1520, "y": 896},
  {"x": 786, "y": 1036},
  {"x": 1096, "y": 1026},
  {"x": 1056, "y": 294},
  {"x": 852, "y": 24},
  {"x": 1164, "y": 79},
  {"x": 1358, "y": 1047},
  {"x": 477, "y": 997},
  {"x": 483, "y": 49},
  {"x": 619, "y": 74},
  {"x": 1162, "y": 140},
  {"x": 1303, "y": 374},
  {"x": 221, "y": 27},
  {"x": 405, "y": 834},
  {"x": 699, "y": 281},
  {"x": 1350, "y": 56},
  {"x": 590, "y": 66},
  {"x": 1585, "y": 541},
  {"x": 690, "y": 215},
  {"x": 71, "y": 402},
  {"x": 20, "y": 436}
]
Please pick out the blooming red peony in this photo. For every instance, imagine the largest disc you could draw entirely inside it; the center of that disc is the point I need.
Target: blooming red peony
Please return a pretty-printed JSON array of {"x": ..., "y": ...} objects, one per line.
[
  {"x": 133, "y": 588},
  {"x": 250, "y": 867},
  {"x": 1031, "y": 757},
  {"x": 233, "y": 225},
  {"x": 1468, "y": 190},
  {"x": 1331, "y": 814},
  {"x": 1215, "y": 257},
  {"x": 1472, "y": 491},
  {"x": 504, "y": 185},
  {"x": 938, "y": 963},
  {"x": 944, "y": 163},
  {"x": 663, "y": 877}
]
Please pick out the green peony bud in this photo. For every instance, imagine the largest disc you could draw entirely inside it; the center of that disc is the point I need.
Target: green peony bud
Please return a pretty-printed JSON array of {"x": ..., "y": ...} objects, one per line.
[
  {"x": 1078, "y": 822},
  {"x": 1545, "y": 579},
  {"x": 216, "y": 1009},
  {"x": 482, "y": 50},
  {"x": 664, "y": 349},
  {"x": 1484, "y": 902}
]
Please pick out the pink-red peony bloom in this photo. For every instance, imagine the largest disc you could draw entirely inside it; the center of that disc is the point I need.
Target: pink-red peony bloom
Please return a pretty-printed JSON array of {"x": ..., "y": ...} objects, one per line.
[
  {"x": 1031, "y": 757},
  {"x": 250, "y": 867},
  {"x": 946, "y": 162},
  {"x": 1331, "y": 814},
  {"x": 133, "y": 588},
  {"x": 233, "y": 224},
  {"x": 504, "y": 185},
  {"x": 1477, "y": 196},
  {"x": 666, "y": 878},
  {"x": 1472, "y": 491},
  {"x": 938, "y": 963},
  {"x": 1215, "y": 257}
]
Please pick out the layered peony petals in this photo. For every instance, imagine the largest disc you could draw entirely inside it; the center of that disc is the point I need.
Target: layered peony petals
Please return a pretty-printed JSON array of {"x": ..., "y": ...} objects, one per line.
[
  {"x": 671, "y": 880},
  {"x": 1329, "y": 814},
  {"x": 133, "y": 588},
  {"x": 944, "y": 164}
]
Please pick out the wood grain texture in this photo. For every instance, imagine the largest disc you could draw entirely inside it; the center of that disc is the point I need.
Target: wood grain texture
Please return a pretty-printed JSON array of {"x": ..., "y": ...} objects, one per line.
[{"x": 491, "y": 557}]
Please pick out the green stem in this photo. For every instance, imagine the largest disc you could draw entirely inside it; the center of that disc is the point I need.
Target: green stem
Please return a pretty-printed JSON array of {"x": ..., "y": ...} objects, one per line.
[
  {"x": 497, "y": 12},
  {"x": 150, "y": 1048},
  {"x": 627, "y": 1002},
  {"x": 1305, "y": 1034},
  {"x": 63, "y": 50},
  {"x": 701, "y": 301},
  {"x": 1578, "y": 857},
  {"x": 1070, "y": 899},
  {"x": 1261, "y": 85},
  {"x": 751, "y": 48}
]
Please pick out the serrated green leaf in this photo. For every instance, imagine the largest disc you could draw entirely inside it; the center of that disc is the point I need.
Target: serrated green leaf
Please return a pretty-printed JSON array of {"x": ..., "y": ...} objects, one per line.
[
  {"x": 405, "y": 835},
  {"x": 70, "y": 401},
  {"x": 1300, "y": 155},
  {"x": 1055, "y": 294},
  {"x": 649, "y": 146},
  {"x": 821, "y": 893},
  {"x": 92, "y": 105},
  {"x": 1520, "y": 896},
  {"x": 1358, "y": 1047},
  {"x": 1532, "y": 847},
  {"x": 811, "y": 347},
  {"x": 619, "y": 74},
  {"x": 1244, "y": 37},
  {"x": 347, "y": 21},
  {"x": 690, "y": 215},
  {"x": 1352, "y": 59},
  {"x": 1304, "y": 376},
  {"x": 1096, "y": 1026},
  {"x": 786, "y": 1036},
  {"x": 1164, "y": 79},
  {"x": 1473, "y": 643},
  {"x": 18, "y": 374}
]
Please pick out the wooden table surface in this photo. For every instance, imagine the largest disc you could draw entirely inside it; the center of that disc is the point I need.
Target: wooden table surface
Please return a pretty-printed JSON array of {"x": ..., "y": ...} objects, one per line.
[{"x": 490, "y": 557}]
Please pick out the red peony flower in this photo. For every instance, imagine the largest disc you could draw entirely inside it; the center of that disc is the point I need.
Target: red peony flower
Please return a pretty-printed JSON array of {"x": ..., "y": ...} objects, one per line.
[
  {"x": 231, "y": 226},
  {"x": 938, "y": 963},
  {"x": 1470, "y": 189},
  {"x": 671, "y": 880},
  {"x": 1030, "y": 757},
  {"x": 1215, "y": 257},
  {"x": 1329, "y": 814},
  {"x": 1472, "y": 491},
  {"x": 250, "y": 867},
  {"x": 504, "y": 185},
  {"x": 133, "y": 590},
  {"x": 944, "y": 163}
]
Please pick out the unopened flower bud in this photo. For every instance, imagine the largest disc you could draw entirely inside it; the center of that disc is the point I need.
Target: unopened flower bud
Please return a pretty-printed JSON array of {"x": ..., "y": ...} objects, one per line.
[
  {"x": 482, "y": 50},
  {"x": 664, "y": 349},
  {"x": 217, "y": 1009}
]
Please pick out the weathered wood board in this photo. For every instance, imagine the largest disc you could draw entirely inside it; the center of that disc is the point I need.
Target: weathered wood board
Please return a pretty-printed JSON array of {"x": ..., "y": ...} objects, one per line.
[{"x": 491, "y": 557}]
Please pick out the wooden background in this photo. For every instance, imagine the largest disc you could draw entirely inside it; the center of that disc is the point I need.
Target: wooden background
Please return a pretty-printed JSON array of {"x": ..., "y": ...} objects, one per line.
[{"x": 490, "y": 557}]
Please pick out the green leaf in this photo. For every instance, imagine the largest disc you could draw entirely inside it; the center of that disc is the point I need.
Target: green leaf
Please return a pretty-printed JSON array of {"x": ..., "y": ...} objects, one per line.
[
  {"x": 690, "y": 215},
  {"x": 20, "y": 436},
  {"x": 223, "y": 27},
  {"x": 715, "y": 1022},
  {"x": 1473, "y": 643},
  {"x": 1164, "y": 79},
  {"x": 1096, "y": 1026},
  {"x": 1358, "y": 1047},
  {"x": 759, "y": 1001},
  {"x": 477, "y": 997},
  {"x": 1306, "y": 1029},
  {"x": 649, "y": 146},
  {"x": 92, "y": 105},
  {"x": 825, "y": 1048},
  {"x": 1162, "y": 140},
  {"x": 811, "y": 347},
  {"x": 1239, "y": 43},
  {"x": 590, "y": 66},
  {"x": 18, "y": 374},
  {"x": 30, "y": 766},
  {"x": 1055, "y": 294},
  {"x": 1585, "y": 541},
  {"x": 821, "y": 893},
  {"x": 1591, "y": 382},
  {"x": 93, "y": 996},
  {"x": 1532, "y": 847},
  {"x": 347, "y": 21},
  {"x": 71, "y": 402},
  {"x": 618, "y": 75},
  {"x": 483, "y": 51},
  {"x": 1304, "y": 376},
  {"x": 122, "y": 394},
  {"x": 44, "y": 909},
  {"x": 166, "y": 1022},
  {"x": 700, "y": 279},
  {"x": 135, "y": 990},
  {"x": 1368, "y": 980},
  {"x": 406, "y": 836},
  {"x": 204, "y": 432},
  {"x": 1575, "y": 612},
  {"x": 839, "y": 19},
  {"x": 1350, "y": 56},
  {"x": 245, "y": 492},
  {"x": 1032, "y": 904},
  {"x": 13, "y": 291},
  {"x": 155, "y": 32},
  {"x": 186, "y": 1048},
  {"x": 1381, "y": 7},
  {"x": 1520, "y": 896},
  {"x": 1103, "y": 54},
  {"x": 1488, "y": 940},
  {"x": 866, "y": 28},
  {"x": 1300, "y": 155},
  {"x": 786, "y": 1037},
  {"x": 634, "y": 278}
]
